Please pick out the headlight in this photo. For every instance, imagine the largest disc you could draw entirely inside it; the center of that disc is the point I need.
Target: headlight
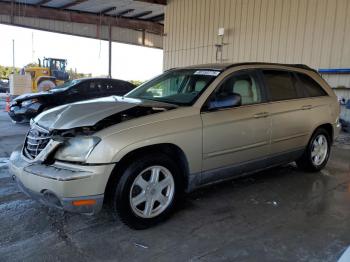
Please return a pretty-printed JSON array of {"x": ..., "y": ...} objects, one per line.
[
  {"x": 77, "y": 149},
  {"x": 29, "y": 102}
]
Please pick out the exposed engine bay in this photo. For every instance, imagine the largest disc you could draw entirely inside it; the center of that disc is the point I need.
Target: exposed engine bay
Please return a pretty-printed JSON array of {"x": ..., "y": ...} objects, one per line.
[{"x": 126, "y": 115}]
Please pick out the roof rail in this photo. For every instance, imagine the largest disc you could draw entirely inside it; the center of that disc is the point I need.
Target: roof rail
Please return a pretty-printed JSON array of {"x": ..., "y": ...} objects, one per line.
[{"x": 301, "y": 66}]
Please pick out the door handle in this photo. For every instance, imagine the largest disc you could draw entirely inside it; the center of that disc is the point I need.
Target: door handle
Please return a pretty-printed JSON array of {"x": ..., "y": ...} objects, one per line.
[
  {"x": 306, "y": 107},
  {"x": 261, "y": 115}
]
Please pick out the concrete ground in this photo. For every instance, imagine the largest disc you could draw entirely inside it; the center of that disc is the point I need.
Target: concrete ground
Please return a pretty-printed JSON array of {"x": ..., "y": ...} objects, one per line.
[{"x": 278, "y": 215}]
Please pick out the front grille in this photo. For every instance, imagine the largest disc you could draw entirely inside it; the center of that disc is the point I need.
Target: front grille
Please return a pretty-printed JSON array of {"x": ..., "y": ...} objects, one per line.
[{"x": 36, "y": 140}]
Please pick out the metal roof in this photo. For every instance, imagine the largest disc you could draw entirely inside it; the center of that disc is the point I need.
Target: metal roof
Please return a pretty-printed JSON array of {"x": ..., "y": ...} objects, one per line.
[{"x": 145, "y": 10}]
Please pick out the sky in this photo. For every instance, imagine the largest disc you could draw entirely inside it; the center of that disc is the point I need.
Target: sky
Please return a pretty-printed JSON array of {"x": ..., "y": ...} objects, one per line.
[{"x": 129, "y": 62}]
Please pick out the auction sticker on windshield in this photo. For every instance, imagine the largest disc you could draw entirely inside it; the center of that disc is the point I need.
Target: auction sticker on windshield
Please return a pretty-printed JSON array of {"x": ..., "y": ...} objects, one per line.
[{"x": 207, "y": 72}]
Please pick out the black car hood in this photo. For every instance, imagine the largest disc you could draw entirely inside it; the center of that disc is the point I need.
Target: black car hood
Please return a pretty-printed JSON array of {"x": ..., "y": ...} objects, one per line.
[
  {"x": 89, "y": 113},
  {"x": 25, "y": 97}
]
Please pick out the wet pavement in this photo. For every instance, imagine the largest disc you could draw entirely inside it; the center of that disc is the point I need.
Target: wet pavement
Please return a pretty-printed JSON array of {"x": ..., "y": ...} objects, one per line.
[{"x": 278, "y": 215}]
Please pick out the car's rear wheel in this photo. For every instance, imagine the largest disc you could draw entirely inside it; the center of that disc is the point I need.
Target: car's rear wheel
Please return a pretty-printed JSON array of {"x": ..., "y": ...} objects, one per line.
[
  {"x": 316, "y": 154},
  {"x": 147, "y": 191}
]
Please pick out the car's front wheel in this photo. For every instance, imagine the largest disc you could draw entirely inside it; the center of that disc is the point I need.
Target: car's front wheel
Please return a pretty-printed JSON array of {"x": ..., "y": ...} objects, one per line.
[
  {"x": 147, "y": 191},
  {"x": 316, "y": 154}
]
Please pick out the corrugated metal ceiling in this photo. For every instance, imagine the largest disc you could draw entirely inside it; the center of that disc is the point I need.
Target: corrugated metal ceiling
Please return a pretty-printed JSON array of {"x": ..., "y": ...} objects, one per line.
[{"x": 120, "y": 8}]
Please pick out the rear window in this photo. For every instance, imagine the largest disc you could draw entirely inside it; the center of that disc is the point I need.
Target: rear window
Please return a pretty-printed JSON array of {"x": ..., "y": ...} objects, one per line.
[
  {"x": 310, "y": 87},
  {"x": 280, "y": 85}
]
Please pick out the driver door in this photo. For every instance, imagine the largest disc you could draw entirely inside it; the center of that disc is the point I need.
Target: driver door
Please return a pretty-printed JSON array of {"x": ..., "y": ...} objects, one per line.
[{"x": 238, "y": 135}]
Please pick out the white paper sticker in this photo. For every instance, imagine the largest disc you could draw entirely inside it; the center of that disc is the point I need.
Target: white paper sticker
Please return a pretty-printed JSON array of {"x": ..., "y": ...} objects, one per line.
[{"x": 207, "y": 72}]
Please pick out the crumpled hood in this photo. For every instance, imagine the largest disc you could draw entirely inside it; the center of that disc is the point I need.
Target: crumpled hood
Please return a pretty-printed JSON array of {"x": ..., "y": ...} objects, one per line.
[
  {"x": 88, "y": 113},
  {"x": 31, "y": 96}
]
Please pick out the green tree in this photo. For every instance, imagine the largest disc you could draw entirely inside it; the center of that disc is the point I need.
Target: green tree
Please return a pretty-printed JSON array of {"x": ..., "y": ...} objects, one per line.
[
  {"x": 5, "y": 71},
  {"x": 136, "y": 82}
]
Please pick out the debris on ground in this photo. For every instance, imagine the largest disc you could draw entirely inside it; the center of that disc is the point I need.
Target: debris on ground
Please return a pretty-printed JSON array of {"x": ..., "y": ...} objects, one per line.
[
  {"x": 274, "y": 203},
  {"x": 140, "y": 245}
]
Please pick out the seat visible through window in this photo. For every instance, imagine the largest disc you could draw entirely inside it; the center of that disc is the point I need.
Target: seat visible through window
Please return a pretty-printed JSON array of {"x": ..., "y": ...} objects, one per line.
[
  {"x": 244, "y": 85},
  {"x": 244, "y": 88}
]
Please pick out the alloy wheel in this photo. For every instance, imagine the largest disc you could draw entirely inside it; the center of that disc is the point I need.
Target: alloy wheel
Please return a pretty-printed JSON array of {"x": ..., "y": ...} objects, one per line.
[
  {"x": 152, "y": 191},
  {"x": 319, "y": 150}
]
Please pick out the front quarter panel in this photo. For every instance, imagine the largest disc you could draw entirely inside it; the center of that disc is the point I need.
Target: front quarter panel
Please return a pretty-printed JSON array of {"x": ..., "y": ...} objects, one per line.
[{"x": 174, "y": 127}]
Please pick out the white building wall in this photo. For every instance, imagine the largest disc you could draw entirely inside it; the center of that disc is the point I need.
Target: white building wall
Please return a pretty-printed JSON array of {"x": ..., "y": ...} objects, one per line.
[{"x": 312, "y": 32}]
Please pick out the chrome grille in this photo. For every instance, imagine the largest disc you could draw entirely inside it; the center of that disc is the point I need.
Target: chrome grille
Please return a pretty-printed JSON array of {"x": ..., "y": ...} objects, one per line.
[{"x": 36, "y": 140}]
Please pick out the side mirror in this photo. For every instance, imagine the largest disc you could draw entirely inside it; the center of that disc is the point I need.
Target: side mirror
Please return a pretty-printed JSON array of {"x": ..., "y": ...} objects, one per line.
[
  {"x": 226, "y": 101},
  {"x": 73, "y": 91}
]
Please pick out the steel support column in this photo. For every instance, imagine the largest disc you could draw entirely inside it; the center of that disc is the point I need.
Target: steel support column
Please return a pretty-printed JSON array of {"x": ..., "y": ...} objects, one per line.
[{"x": 110, "y": 51}]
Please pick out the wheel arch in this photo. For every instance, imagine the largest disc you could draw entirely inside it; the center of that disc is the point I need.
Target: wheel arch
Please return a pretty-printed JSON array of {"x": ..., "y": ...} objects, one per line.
[
  {"x": 42, "y": 78},
  {"x": 172, "y": 150},
  {"x": 328, "y": 127}
]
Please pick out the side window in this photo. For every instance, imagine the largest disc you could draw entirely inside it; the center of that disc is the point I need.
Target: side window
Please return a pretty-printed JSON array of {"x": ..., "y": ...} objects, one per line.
[
  {"x": 94, "y": 87},
  {"x": 246, "y": 85},
  {"x": 108, "y": 87},
  {"x": 114, "y": 87},
  {"x": 280, "y": 84},
  {"x": 310, "y": 87},
  {"x": 122, "y": 87}
]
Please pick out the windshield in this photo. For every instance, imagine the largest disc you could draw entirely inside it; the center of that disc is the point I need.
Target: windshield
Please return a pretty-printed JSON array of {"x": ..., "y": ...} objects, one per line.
[
  {"x": 65, "y": 86},
  {"x": 180, "y": 87}
]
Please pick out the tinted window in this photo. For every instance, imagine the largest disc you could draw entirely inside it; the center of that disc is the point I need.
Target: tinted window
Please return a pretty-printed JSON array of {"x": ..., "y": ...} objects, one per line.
[
  {"x": 310, "y": 87},
  {"x": 245, "y": 85},
  {"x": 280, "y": 85},
  {"x": 94, "y": 87},
  {"x": 122, "y": 87},
  {"x": 111, "y": 88},
  {"x": 108, "y": 87}
]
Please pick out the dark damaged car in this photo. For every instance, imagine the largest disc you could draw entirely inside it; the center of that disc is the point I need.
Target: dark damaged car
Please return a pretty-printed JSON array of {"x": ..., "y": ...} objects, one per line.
[{"x": 27, "y": 106}]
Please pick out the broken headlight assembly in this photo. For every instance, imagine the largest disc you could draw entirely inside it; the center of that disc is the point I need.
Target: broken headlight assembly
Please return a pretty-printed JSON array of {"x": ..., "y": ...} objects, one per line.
[
  {"x": 77, "y": 149},
  {"x": 29, "y": 102}
]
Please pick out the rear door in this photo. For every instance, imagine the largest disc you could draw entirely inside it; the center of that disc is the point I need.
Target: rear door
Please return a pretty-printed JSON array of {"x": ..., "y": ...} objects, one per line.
[
  {"x": 117, "y": 87},
  {"x": 94, "y": 88},
  {"x": 290, "y": 114}
]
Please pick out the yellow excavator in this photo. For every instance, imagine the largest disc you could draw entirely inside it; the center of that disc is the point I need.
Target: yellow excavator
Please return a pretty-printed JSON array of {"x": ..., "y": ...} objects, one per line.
[{"x": 49, "y": 73}]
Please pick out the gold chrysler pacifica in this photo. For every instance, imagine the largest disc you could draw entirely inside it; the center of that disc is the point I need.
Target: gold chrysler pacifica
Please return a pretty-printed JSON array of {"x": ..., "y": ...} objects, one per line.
[{"x": 184, "y": 129}]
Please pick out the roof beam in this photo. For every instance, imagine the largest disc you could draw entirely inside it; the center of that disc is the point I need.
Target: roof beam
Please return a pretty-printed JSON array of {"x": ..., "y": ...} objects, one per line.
[
  {"x": 42, "y": 2},
  {"x": 73, "y": 3},
  {"x": 158, "y": 2},
  {"x": 141, "y": 14},
  {"x": 7, "y": 8},
  {"x": 106, "y": 10},
  {"x": 124, "y": 12},
  {"x": 156, "y": 18}
]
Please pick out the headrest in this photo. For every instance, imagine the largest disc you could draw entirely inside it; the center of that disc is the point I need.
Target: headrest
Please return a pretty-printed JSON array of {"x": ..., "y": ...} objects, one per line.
[{"x": 242, "y": 87}]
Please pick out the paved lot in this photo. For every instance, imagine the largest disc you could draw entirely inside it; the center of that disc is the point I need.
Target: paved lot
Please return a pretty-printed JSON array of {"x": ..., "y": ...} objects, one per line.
[{"x": 277, "y": 215}]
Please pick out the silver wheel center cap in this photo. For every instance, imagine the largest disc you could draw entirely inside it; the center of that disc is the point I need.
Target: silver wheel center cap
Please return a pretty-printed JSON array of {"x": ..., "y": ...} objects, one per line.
[{"x": 151, "y": 190}]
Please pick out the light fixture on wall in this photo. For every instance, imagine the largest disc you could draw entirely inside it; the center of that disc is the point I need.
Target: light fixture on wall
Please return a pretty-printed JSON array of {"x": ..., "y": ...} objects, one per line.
[{"x": 220, "y": 46}]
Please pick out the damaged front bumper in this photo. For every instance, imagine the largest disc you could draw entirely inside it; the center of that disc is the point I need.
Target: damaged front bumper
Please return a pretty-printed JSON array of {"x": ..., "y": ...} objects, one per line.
[{"x": 74, "y": 188}]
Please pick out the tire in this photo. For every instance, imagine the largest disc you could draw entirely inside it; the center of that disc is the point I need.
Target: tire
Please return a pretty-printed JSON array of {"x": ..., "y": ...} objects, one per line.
[
  {"x": 136, "y": 181},
  {"x": 308, "y": 161},
  {"x": 46, "y": 85}
]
